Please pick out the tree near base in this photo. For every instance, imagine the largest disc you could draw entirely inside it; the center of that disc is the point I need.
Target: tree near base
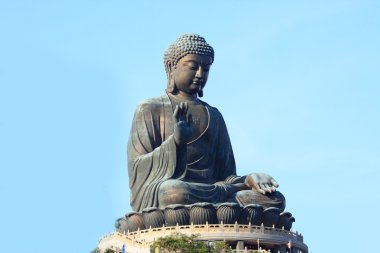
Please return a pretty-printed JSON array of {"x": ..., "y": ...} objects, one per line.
[{"x": 180, "y": 243}]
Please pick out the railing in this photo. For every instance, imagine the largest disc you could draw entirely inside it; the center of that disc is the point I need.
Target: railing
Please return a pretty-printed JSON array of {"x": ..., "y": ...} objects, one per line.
[
  {"x": 223, "y": 228},
  {"x": 131, "y": 236},
  {"x": 142, "y": 239}
]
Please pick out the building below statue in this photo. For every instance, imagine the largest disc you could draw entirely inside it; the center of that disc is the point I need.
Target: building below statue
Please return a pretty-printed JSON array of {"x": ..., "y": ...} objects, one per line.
[
  {"x": 243, "y": 228},
  {"x": 242, "y": 238}
]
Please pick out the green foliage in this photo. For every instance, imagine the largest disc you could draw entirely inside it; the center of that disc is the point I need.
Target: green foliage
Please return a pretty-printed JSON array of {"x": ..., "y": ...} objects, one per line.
[
  {"x": 180, "y": 243},
  {"x": 109, "y": 251},
  {"x": 220, "y": 246}
]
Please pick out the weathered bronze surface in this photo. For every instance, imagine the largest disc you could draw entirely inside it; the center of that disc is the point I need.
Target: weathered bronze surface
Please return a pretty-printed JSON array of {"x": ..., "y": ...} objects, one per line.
[
  {"x": 179, "y": 150},
  {"x": 176, "y": 214},
  {"x": 203, "y": 212},
  {"x": 271, "y": 216},
  {"x": 286, "y": 221},
  {"x": 252, "y": 214},
  {"x": 228, "y": 213},
  {"x": 153, "y": 217}
]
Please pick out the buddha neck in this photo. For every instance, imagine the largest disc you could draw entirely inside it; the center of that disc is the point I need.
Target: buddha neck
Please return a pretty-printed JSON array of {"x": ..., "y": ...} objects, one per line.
[
  {"x": 177, "y": 98},
  {"x": 186, "y": 97}
]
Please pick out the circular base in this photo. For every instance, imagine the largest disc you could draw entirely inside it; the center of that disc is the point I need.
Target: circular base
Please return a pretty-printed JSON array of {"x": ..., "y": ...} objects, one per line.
[{"x": 243, "y": 236}]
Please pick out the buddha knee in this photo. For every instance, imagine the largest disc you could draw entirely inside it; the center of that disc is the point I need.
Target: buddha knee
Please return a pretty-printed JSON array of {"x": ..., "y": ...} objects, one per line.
[{"x": 173, "y": 192}]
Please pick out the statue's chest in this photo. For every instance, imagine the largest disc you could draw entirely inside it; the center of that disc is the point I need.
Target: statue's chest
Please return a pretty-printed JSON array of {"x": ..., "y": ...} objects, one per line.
[{"x": 199, "y": 120}]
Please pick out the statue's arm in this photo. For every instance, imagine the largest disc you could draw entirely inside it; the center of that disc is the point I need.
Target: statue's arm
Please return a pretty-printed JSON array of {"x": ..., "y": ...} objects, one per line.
[
  {"x": 234, "y": 179},
  {"x": 146, "y": 141},
  {"x": 151, "y": 159},
  {"x": 163, "y": 162}
]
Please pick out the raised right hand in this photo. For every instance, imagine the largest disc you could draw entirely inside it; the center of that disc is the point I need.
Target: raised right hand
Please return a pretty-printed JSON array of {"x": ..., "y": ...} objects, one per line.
[{"x": 182, "y": 129}]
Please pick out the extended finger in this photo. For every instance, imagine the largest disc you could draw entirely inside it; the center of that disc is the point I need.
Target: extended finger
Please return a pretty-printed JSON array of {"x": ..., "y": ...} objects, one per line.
[
  {"x": 268, "y": 188},
  {"x": 262, "y": 186},
  {"x": 183, "y": 113},
  {"x": 274, "y": 183},
  {"x": 185, "y": 107},
  {"x": 175, "y": 114},
  {"x": 180, "y": 111},
  {"x": 259, "y": 190}
]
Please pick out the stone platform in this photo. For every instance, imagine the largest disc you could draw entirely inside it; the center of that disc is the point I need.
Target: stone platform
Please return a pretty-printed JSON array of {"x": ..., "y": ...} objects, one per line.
[{"x": 242, "y": 237}]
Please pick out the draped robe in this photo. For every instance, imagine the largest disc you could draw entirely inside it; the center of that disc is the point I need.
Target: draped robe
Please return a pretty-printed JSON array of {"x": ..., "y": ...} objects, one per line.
[{"x": 153, "y": 156}]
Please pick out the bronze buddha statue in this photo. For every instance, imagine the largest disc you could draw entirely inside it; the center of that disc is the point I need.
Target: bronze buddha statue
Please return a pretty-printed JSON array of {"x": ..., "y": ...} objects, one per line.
[{"x": 179, "y": 151}]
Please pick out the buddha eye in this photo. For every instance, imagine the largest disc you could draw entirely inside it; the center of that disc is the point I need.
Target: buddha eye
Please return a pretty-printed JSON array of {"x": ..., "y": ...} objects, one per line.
[{"x": 192, "y": 65}]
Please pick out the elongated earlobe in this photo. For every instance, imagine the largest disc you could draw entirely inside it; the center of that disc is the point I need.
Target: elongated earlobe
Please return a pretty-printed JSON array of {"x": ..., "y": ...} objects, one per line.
[{"x": 171, "y": 87}]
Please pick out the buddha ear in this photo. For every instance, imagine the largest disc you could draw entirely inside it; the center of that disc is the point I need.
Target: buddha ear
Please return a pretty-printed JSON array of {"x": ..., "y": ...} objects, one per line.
[{"x": 171, "y": 87}]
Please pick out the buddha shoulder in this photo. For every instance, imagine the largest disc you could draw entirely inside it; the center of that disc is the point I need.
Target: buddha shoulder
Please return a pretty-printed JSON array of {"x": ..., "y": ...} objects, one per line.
[{"x": 153, "y": 105}]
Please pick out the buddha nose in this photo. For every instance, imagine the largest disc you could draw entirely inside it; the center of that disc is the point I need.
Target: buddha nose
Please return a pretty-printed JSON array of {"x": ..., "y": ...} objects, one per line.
[{"x": 200, "y": 72}]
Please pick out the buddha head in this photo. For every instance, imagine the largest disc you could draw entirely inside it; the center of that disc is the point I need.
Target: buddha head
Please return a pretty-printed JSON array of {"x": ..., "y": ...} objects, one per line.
[{"x": 187, "y": 63}]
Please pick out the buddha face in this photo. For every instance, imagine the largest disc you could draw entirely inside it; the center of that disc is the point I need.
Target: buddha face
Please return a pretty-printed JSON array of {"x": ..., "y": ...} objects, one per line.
[{"x": 191, "y": 72}]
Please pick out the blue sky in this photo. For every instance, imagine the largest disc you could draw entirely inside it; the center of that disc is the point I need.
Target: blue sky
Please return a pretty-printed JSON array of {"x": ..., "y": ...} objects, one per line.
[{"x": 296, "y": 81}]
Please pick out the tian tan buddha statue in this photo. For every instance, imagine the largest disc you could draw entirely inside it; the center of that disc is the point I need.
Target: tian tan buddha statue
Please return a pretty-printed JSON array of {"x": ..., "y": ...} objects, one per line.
[{"x": 179, "y": 151}]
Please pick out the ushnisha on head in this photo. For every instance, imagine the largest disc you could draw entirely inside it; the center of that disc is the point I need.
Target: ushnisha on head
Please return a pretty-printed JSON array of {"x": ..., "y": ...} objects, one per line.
[{"x": 184, "y": 45}]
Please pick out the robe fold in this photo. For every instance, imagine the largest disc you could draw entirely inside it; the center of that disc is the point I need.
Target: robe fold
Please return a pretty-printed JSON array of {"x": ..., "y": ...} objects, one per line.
[{"x": 153, "y": 156}]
